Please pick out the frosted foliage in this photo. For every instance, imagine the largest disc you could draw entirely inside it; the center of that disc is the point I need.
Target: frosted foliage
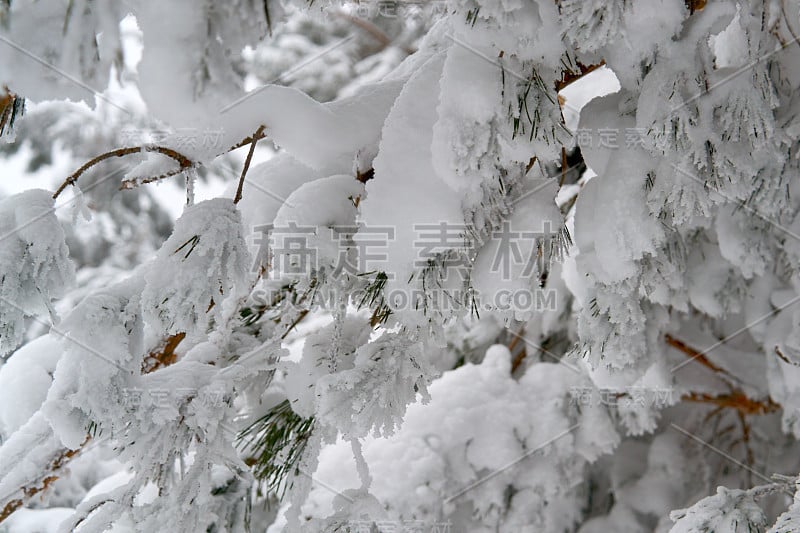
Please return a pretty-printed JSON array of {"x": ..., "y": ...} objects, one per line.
[
  {"x": 727, "y": 510},
  {"x": 478, "y": 265},
  {"x": 480, "y": 420},
  {"x": 302, "y": 377},
  {"x": 25, "y": 379},
  {"x": 207, "y": 243},
  {"x": 323, "y": 210},
  {"x": 387, "y": 375},
  {"x": 592, "y": 23},
  {"x": 205, "y": 73},
  {"x": 462, "y": 150},
  {"x": 101, "y": 337},
  {"x": 55, "y": 49},
  {"x": 787, "y": 521},
  {"x": 34, "y": 262}
]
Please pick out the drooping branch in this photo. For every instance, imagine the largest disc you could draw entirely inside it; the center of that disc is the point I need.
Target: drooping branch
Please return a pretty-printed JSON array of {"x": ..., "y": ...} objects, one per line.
[
  {"x": 43, "y": 483},
  {"x": 133, "y": 183},
  {"x": 182, "y": 160},
  {"x": 160, "y": 357}
]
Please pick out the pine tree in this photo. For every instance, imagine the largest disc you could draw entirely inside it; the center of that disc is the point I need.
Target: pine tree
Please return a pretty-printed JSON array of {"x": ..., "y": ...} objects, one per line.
[{"x": 481, "y": 266}]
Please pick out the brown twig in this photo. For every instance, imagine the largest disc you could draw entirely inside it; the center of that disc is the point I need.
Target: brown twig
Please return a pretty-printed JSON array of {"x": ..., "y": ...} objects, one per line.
[
  {"x": 520, "y": 357},
  {"x": 133, "y": 183},
  {"x": 247, "y": 140},
  {"x": 788, "y": 26},
  {"x": 42, "y": 484},
  {"x": 530, "y": 164},
  {"x": 783, "y": 358},
  {"x": 736, "y": 400},
  {"x": 182, "y": 160},
  {"x": 294, "y": 324},
  {"x": 256, "y": 136},
  {"x": 694, "y": 354}
]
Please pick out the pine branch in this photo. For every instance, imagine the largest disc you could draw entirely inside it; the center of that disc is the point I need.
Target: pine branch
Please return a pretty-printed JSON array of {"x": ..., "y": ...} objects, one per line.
[
  {"x": 276, "y": 441},
  {"x": 162, "y": 356}
]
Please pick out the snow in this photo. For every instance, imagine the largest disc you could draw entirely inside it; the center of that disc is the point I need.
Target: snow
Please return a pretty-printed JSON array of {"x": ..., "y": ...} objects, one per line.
[
  {"x": 461, "y": 146},
  {"x": 38, "y": 520},
  {"x": 727, "y": 510},
  {"x": 486, "y": 417},
  {"x": 321, "y": 212},
  {"x": 50, "y": 53},
  {"x": 171, "y": 295},
  {"x": 730, "y": 45},
  {"x": 407, "y": 193},
  {"x": 609, "y": 245},
  {"x": 34, "y": 262},
  {"x": 478, "y": 420},
  {"x": 24, "y": 380},
  {"x": 508, "y": 264}
]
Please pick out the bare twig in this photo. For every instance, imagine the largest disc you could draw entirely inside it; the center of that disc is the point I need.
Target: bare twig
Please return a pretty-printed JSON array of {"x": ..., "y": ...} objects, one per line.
[
  {"x": 736, "y": 400},
  {"x": 247, "y": 140},
  {"x": 693, "y": 354},
  {"x": 294, "y": 324},
  {"x": 256, "y": 136},
  {"x": 182, "y": 160},
  {"x": 133, "y": 183}
]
